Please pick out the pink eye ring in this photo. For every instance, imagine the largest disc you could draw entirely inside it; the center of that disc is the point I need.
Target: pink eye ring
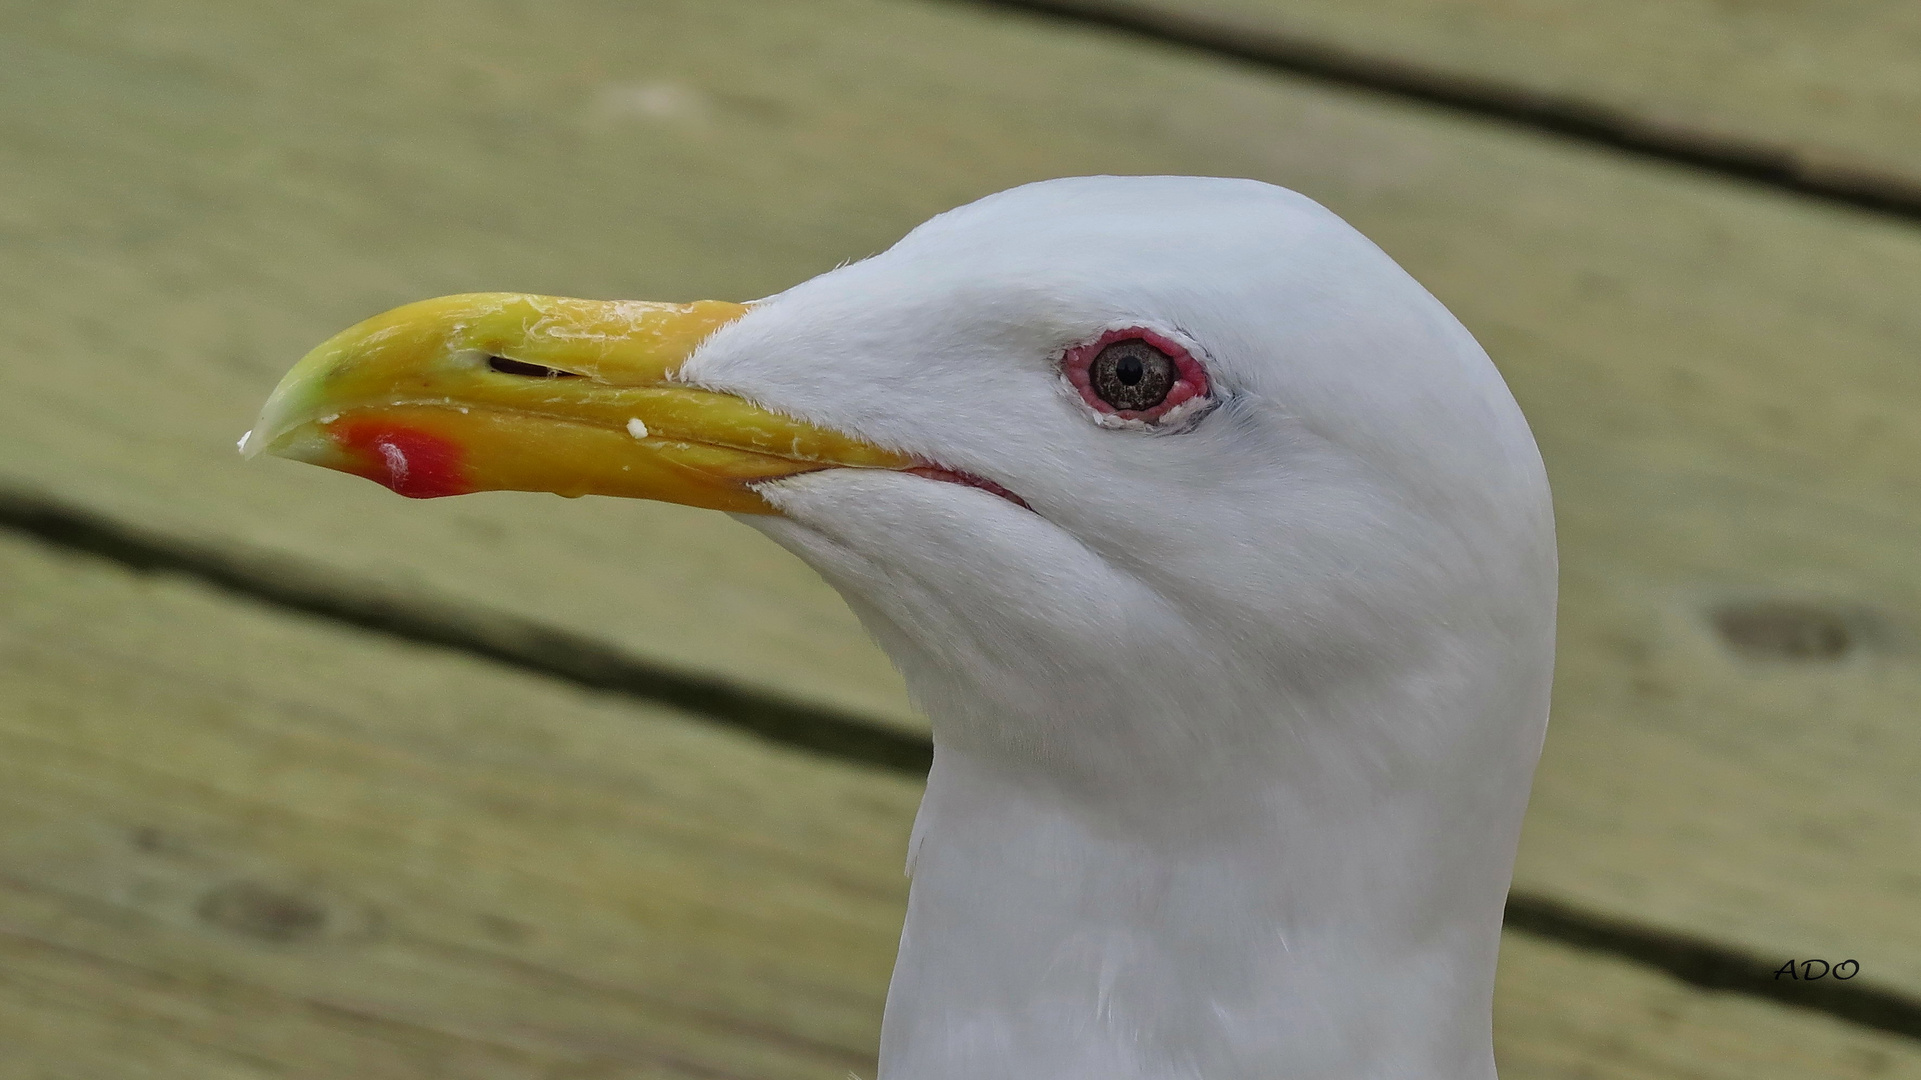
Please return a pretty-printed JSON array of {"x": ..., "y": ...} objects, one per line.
[{"x": 1135, "y": 374}]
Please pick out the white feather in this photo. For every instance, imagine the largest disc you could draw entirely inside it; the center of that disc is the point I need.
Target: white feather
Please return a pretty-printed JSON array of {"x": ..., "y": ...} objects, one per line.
[{"x": 1234, "y": 730}]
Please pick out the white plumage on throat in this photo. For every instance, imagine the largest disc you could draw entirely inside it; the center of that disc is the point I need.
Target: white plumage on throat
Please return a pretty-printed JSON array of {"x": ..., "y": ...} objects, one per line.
[{"x": 1233, "y": 729}]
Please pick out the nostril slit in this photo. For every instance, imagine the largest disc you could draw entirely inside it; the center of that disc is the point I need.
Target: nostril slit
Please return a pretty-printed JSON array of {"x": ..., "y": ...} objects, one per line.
[{"x": 526, "y": 370}]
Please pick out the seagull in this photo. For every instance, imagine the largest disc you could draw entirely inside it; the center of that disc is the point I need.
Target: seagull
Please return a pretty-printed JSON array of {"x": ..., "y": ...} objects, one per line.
[{"x": 1216, "y": 551}]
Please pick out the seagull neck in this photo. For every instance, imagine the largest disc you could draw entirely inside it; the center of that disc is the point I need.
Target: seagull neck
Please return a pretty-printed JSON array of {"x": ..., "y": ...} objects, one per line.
[{"x": 1324, "y": 935}]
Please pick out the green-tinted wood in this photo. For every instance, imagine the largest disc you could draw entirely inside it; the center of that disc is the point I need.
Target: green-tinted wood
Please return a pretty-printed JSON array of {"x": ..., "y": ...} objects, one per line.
[
  {"x": 1831, "y": 84},
  {"x": 280, "y": 845},
  {"x": 309, "y": 853},
  {"x": 1721, "y": 379},
  {"x": 193, "y": 195},
  {"x": 1560, "y": 1014}
]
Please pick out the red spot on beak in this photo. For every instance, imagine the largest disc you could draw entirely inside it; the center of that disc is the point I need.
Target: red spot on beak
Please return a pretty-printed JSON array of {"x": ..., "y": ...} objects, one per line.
[{"x": 412, "y": 462}]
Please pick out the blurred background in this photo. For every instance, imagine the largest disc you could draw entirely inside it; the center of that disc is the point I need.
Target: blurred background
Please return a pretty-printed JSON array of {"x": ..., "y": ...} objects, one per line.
[{"x": 300, "y": 779}]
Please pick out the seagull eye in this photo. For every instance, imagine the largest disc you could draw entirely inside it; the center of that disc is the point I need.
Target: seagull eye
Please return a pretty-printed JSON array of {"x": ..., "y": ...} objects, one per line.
[{"x": 1134, "y": 375}]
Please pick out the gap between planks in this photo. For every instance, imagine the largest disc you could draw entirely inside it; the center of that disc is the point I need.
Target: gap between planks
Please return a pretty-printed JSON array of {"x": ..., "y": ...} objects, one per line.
[
  {"x": 1773, "y": 165},
  {"x": 542, "y": 650}
]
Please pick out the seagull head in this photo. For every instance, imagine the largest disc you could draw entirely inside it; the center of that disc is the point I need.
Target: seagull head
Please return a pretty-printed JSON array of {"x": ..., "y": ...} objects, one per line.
[
  {"x": 1314, "y": 487},
  {"x": 1193, "y": 522}
]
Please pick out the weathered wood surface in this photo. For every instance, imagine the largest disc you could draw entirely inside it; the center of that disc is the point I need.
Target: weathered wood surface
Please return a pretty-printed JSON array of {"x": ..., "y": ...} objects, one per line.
[
  {"x": 1722, "y": 380},
  {"x": 312, "y": 853},
  {"x": 247, "y": 842},
  {"x": 1832, "y": 83}
]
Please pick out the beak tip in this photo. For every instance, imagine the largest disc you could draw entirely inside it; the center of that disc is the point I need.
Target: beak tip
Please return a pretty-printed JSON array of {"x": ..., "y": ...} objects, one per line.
[{"x": 259, "y": 442}]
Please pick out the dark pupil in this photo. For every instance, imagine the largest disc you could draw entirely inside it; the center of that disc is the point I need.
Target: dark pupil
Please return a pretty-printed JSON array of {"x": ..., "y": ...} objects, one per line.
[{"x": 1132, "y": 376}]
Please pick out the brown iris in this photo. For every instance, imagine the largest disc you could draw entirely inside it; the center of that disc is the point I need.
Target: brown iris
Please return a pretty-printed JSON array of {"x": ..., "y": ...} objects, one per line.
[{"x": 1132, "y": 376}]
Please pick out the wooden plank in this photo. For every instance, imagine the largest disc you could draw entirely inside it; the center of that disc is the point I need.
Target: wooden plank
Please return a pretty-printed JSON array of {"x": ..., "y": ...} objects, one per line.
[
  {"x": 1720, "y": 378},
  {"x": 1829, "y": 88},
  {"x": 177, "y": 238},
  {"x": 313, "y": 854},
  {"x": 1567, "y": 1015},
  {"x": 307, "y": 852}
]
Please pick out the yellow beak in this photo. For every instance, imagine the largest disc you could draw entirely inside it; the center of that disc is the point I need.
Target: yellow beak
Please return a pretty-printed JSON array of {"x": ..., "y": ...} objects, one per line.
[{"x": 504, "y": 391}]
